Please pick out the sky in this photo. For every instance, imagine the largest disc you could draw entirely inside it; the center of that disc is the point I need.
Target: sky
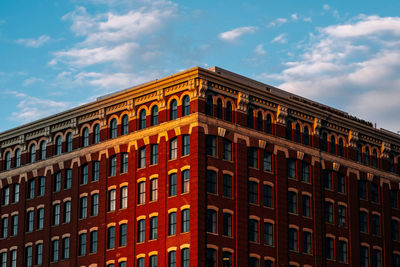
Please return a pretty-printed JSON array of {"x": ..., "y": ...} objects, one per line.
[{"x": 59, "y": 54}]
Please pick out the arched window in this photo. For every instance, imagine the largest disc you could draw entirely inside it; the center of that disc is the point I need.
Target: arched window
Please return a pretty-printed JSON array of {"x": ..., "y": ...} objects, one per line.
[
  {"x": 289, "y": 130},
  {"x": 219, "y": 108},
  {"x": 113, "y": 128},
  {"x": 324, "y": 144},
  {"x": 298, "y": 133},
  {"x": 8, "y": 160},
  {"x": 341, "y": 147},
  {"x": 125, "y": 125},
  {"x": 268, "y": 128},
  {"x": 154, "y": 115},
  {"x": 18, "y": 157},
  {"x": 58, "y": 145},
  {"x": 69, "y": 142},
  {"x": 250, "y": 117},
  {"x": 228, "y": 111},
  {"x": 359, "y": 152},
  {"x": 259, "y": 121},
  {"x": 185, "y": 105},
  {"x": 367, "y": 154},
  {"x": 306, "y": 137},
  {"x": 142, "y": 119},
  {"x": 173, "y": 110},
  {"x": 209, "y": 105},
  {"x": 96, "y": 134},
  {"x": 333, "y": 145},
  {"x": 391, "y": 163},
  {"x": 43, "y": 150},
  {"x": 374, "y": 158},
  {"x": 32, "y": 153},
  {"x": 85, "y": 137}
]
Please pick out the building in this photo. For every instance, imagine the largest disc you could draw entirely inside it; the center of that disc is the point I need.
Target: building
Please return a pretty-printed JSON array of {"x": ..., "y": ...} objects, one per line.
[{"x": 201, "y": 168}]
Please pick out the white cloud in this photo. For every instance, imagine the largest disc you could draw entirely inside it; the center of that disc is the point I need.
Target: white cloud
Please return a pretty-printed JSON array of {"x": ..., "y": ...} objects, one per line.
[
  {"x": 326, "y": 7},
  {"x": 294, "y": 17},
  {"x": 259, "y": 50},
  {"x": 31, "y": 42},
  {"x": 31, "y": 81},
  {"x": 281, "y": 38},
  {"x": 236, "y": 33}
]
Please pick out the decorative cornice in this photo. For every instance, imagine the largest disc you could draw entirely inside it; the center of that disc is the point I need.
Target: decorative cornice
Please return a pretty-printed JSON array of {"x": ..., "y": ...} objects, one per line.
[
  {"x": 385, "y": 150},
  {"x": 353, "y": 139},
  {"x": 282, "y": 114},
  {"x": 317, "y": 126},
  {"x": 242, "y": 102}
]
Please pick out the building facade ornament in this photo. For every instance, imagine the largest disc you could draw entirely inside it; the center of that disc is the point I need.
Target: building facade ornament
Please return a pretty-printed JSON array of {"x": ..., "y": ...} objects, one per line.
[
  {"x": 281, "y": 114},
  {"x": 130, "y": 106},
  {"x": 317, "y": 126},
  {"x": 353, "y": 139},
  {"x": 242, "y": 102},
  {"x": 385, "y": 150}
]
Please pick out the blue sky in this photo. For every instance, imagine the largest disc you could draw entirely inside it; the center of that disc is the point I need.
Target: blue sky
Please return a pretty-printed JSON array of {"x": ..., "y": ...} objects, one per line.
[{"x": 56, "y": 54}]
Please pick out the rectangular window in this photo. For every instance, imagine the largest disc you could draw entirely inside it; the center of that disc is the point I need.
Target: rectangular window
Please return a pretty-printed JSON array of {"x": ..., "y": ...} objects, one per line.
[
  {"x": 227, "y": 185},
  {"x": 268, "y": 198},
  {"x": 305, "y": 172},
  {"x": 67, "y": 212},
  {"x": 328, "y": 180},
  {"x": 307, "y": 242},
  {"x": 113, "y": 165},
  {"x": 343, "y": 251},
  {"x": 292, "y": 202},
  {"x": 142, "y": 157},
  {"x": 112, "y": 199},
  {"x": 30, "y": 221},
  {"x": 211, "y": 145},
  {"x": 68, "y": 179},
  {"x": 172, "y": 223},
  {"x": 268, "y": 233},
  {"x": 31, "y": 189},
  {"x": 13, "y": 259},
  {"x": 40, "y": 218},
  {"x": 341, "y": 183},
  {"x": 185, "y": 145},
  {"x": 172, "y": 259},
  {"x": 57, "y": 182},
  {"x": 185, "y": 221},
  {"x": 3, "y": 258},
  {"x": 39, "y": 254},
  {"x": 253, "y": 230},
  {"x": 153, "y": 261},
  {"x": 42, "y": 186},
  {"x": 56, "y": 214},
  {"x": 14, "y": 225},
  {"x": 376, "y": 255},
  {"x": 111, "y": 237},
  {"x": 173, "y": 148},
  {"x": 65, "y": 248},
  {"x": 93, "y": 242},
  {"x": 376, "y": 228},
  {"x": 328, "y": 212},
  {"x": 211, "y": 221},
  {"x": 4, "y": 227},
  {"x": 54, "y": 250},
  {"x": 252, "y": 157},
  {"x": 123, "y": 204},
  {"x": 124, "y": 162},
  {"x": 253, "y": 192},
  {"x": 362, "y": 189},
  {"x": 154, "y": 154},
  {"x": 94, "y": 209},
  {"x": 293, "y": 239},
  {"x": 211, "y": 181},
  {"x": 123, "y": 235},
  {"x": 153, "y": 189},
  {"x": 141, "y": 192},
  {"x": 227, "y": 224},
  {"x": 364, "y": 256},
  {"x": 267, "y": 161},
  {"x": 141, "y": 231},
  {"x": 363, "y": 222},
  {"x": 291, "y": 168},
  {"x": 28, "y": 256},
  {"x": 185, "y": 257},
  {"x": 374, "y": 193},
  {"x": 96, "y": 171},
  {"x": 172, "y": 184},
  {"x": 393, "y": 199},
  {"x": 342, "y": 216},
  {"x": 306, "y": 206},
  {"x": 395, "y": 230},
  {"x": 153, "y": 228},
  {"x": 6, "y": 195},
  {"x": 329, "y": 248},
  {"x": 185, "y": 181},
  {"x": 84, "y": 174},
  {"x": 83, "y": 208},
  {"x": 15, "y": 195},
  {"x": 82, "y": 245},
  {"x": 227, "y": 150}
]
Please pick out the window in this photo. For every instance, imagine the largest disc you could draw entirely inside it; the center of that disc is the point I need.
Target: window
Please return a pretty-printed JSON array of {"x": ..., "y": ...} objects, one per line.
[
  {"x": 173, "y": 148},
  {"x": 154, "y": 115},
  {"x": 211, "y": 145},
  {"x": 57, "y": 182},
  {"x": 153, "y": 189},
  {"x": 253, "y": 230},
  {"x": 227, "y": 185},
  {"x": 396, "y": 260},
  {"x": 4, "y": 227},
  {"x": 227, "y": 224},
  {"x": 364, "y": 256},
  {"x": 18, "y": 157},
  {"x": 140, "y": 262},
  {"x": 362, "y": 189},
  {"x": 359, "y": 153},
  {"x": 65, "y": 248},
  {"x": 328, "y": 212},
  {"x": 211, "y": 260},
  {"x": 8, "y": 160},
  {"x": 94, "y": 209},
  {"x": 124, "y": 162},
  {"x": 250, "y": 117},
  {"x": 58, "y": 145},
  {"x": 6, "y": 195},
  {"x": 395, "y": 230},
  {"x": 112, "y": 196},
  {"x": 393, "y": 199},
  {"x": 54, "y": 250},
  {"x": 267, "y": 161},
  {"x": 141, "y": 231},
  {"x": 67, "y": 212},
  {"x": 268, "y": 233},
  {"x": 185, "y": 257},
  {"x": 289, "y": 130},
  {"x": 342, "y": 214},
  {"x": 329, "y": 248},
  {"x": 185, "y": 145},
  {"x": 13, "y": 257},
  {"x": 93, "y": 242},
  {"x": 113, "y": 165},
  {"x": 82, "y": 245},
  {"x": 328, "y": 180},
  {"x": 291, "y": 168},
  {"x": 111, "y": 237},
  {"x": 374, "y": 193},
  {"x": 154, "y": 154},
  {"x": 298, "y": 133},
  {"x": 363, "y": 222},
  {"x": 172, "y": 259},
  {"x": 40, "y": 218},
  {"x": 268, "y": 198},
  {"x": 211, "y": 221},
  {"x": 324, "y": 142},
  {"x": 341, "y": 183},
  {"x": 123, "y": 234},
  {"x": 292, "y": 202},
  {"x": 306, "y": 206},
  {"x": 305, "y": 172},
  {"x": 211, "y": 182},
  {"x": 185, "y": 181},
  {"x": 391, "y": 163},
  {"x": 56, "y": 214},
  {"x": 209, "y": 105},
  {"x": 142, "y": 157},
  {"x": 85, "y": 134},
  {"x": 69, "y": 142},
  {"x": 376, "y": 254},
  {"x": 28, "y": 256},
  {"x": 259, "y": 121},
  {"x": 142, "y": 119},
  {"x": 153, "y": 228},
  {"x": 173, "y": 110},
  {"x": 172, "y": 184},
  {"x": 153, "y": 261},
  {"x": 292, "y": 239},
  {"x": 185, "y": 221},
  {"x": 68, "y": 179},
  {"x": 96, "y": 134},
  {"x": 122, "y": 264},
  {"x": 367, "y": 156},
  {"x": 306, "y": 242},
  {"x": 227, "y": 150},
  {"x": 15, "y": 195},
  {"x": 39, "y": 254},
  {"x": 342, "y": 251},
  {"x": 376, "y": 229},
  {"x": 14, "y": 225},
  {"x": 269, "y": 263},
  {"x": 125, "y": 125},
  {"x": 123, "y": 204},
  {"x": 341, "y": 147},
  {"x": 253, "y": 262},
  {"x": 84, "y": 174},
  {"x": 374, "y": 159},
  {"x": 252, "y": 157},
  {"x": 253, "y": 192},
  {"x": 33, "y": 153},
  {"x": 113, "y": 128},
  {"x": 141, "y": 192},
  {"x": 96, "y": 171},
  {"x": 228, "y": 111},
  {"x": 219, "y": 108},
  {"x": 83, "y": 208},
  {"x": 31, "y": 189},
  {"x": 332, "y": 148},
  {"x": 172, "y": 223}
]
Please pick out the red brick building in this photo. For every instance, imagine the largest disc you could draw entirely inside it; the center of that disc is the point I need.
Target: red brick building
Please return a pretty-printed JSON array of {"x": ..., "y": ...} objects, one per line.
[{"x": 202, "y": 168}]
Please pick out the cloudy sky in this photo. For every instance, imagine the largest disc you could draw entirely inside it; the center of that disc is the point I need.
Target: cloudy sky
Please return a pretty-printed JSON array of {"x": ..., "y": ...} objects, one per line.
[{"x": 57, "y": 54}]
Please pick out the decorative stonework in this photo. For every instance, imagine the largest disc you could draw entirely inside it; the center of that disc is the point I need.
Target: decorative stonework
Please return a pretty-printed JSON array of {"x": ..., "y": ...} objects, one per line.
[
  {"x": 353, "y": 139},
  {"x": 221, "y": 131},
  {"x": 300, "y": 155},
  {"x": 88, "y": 117},
  {"x": 336, "y": 166},
  {"x": 317, "y": 126},
  {"x": 116, "y": 108},
  {"x": 130, "y": 106},
  {"x": 203, "y": 87},
  {"x": 370, "y": 177},
  {"x": 102, "y": 117},
  {"x": 385, "y": 150},
  {"x": 242, "y": 101},
  {"x": 282, "y": 114},
  {"x": 262, "y": 144},
  {"x": 161, "y": 98}
]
